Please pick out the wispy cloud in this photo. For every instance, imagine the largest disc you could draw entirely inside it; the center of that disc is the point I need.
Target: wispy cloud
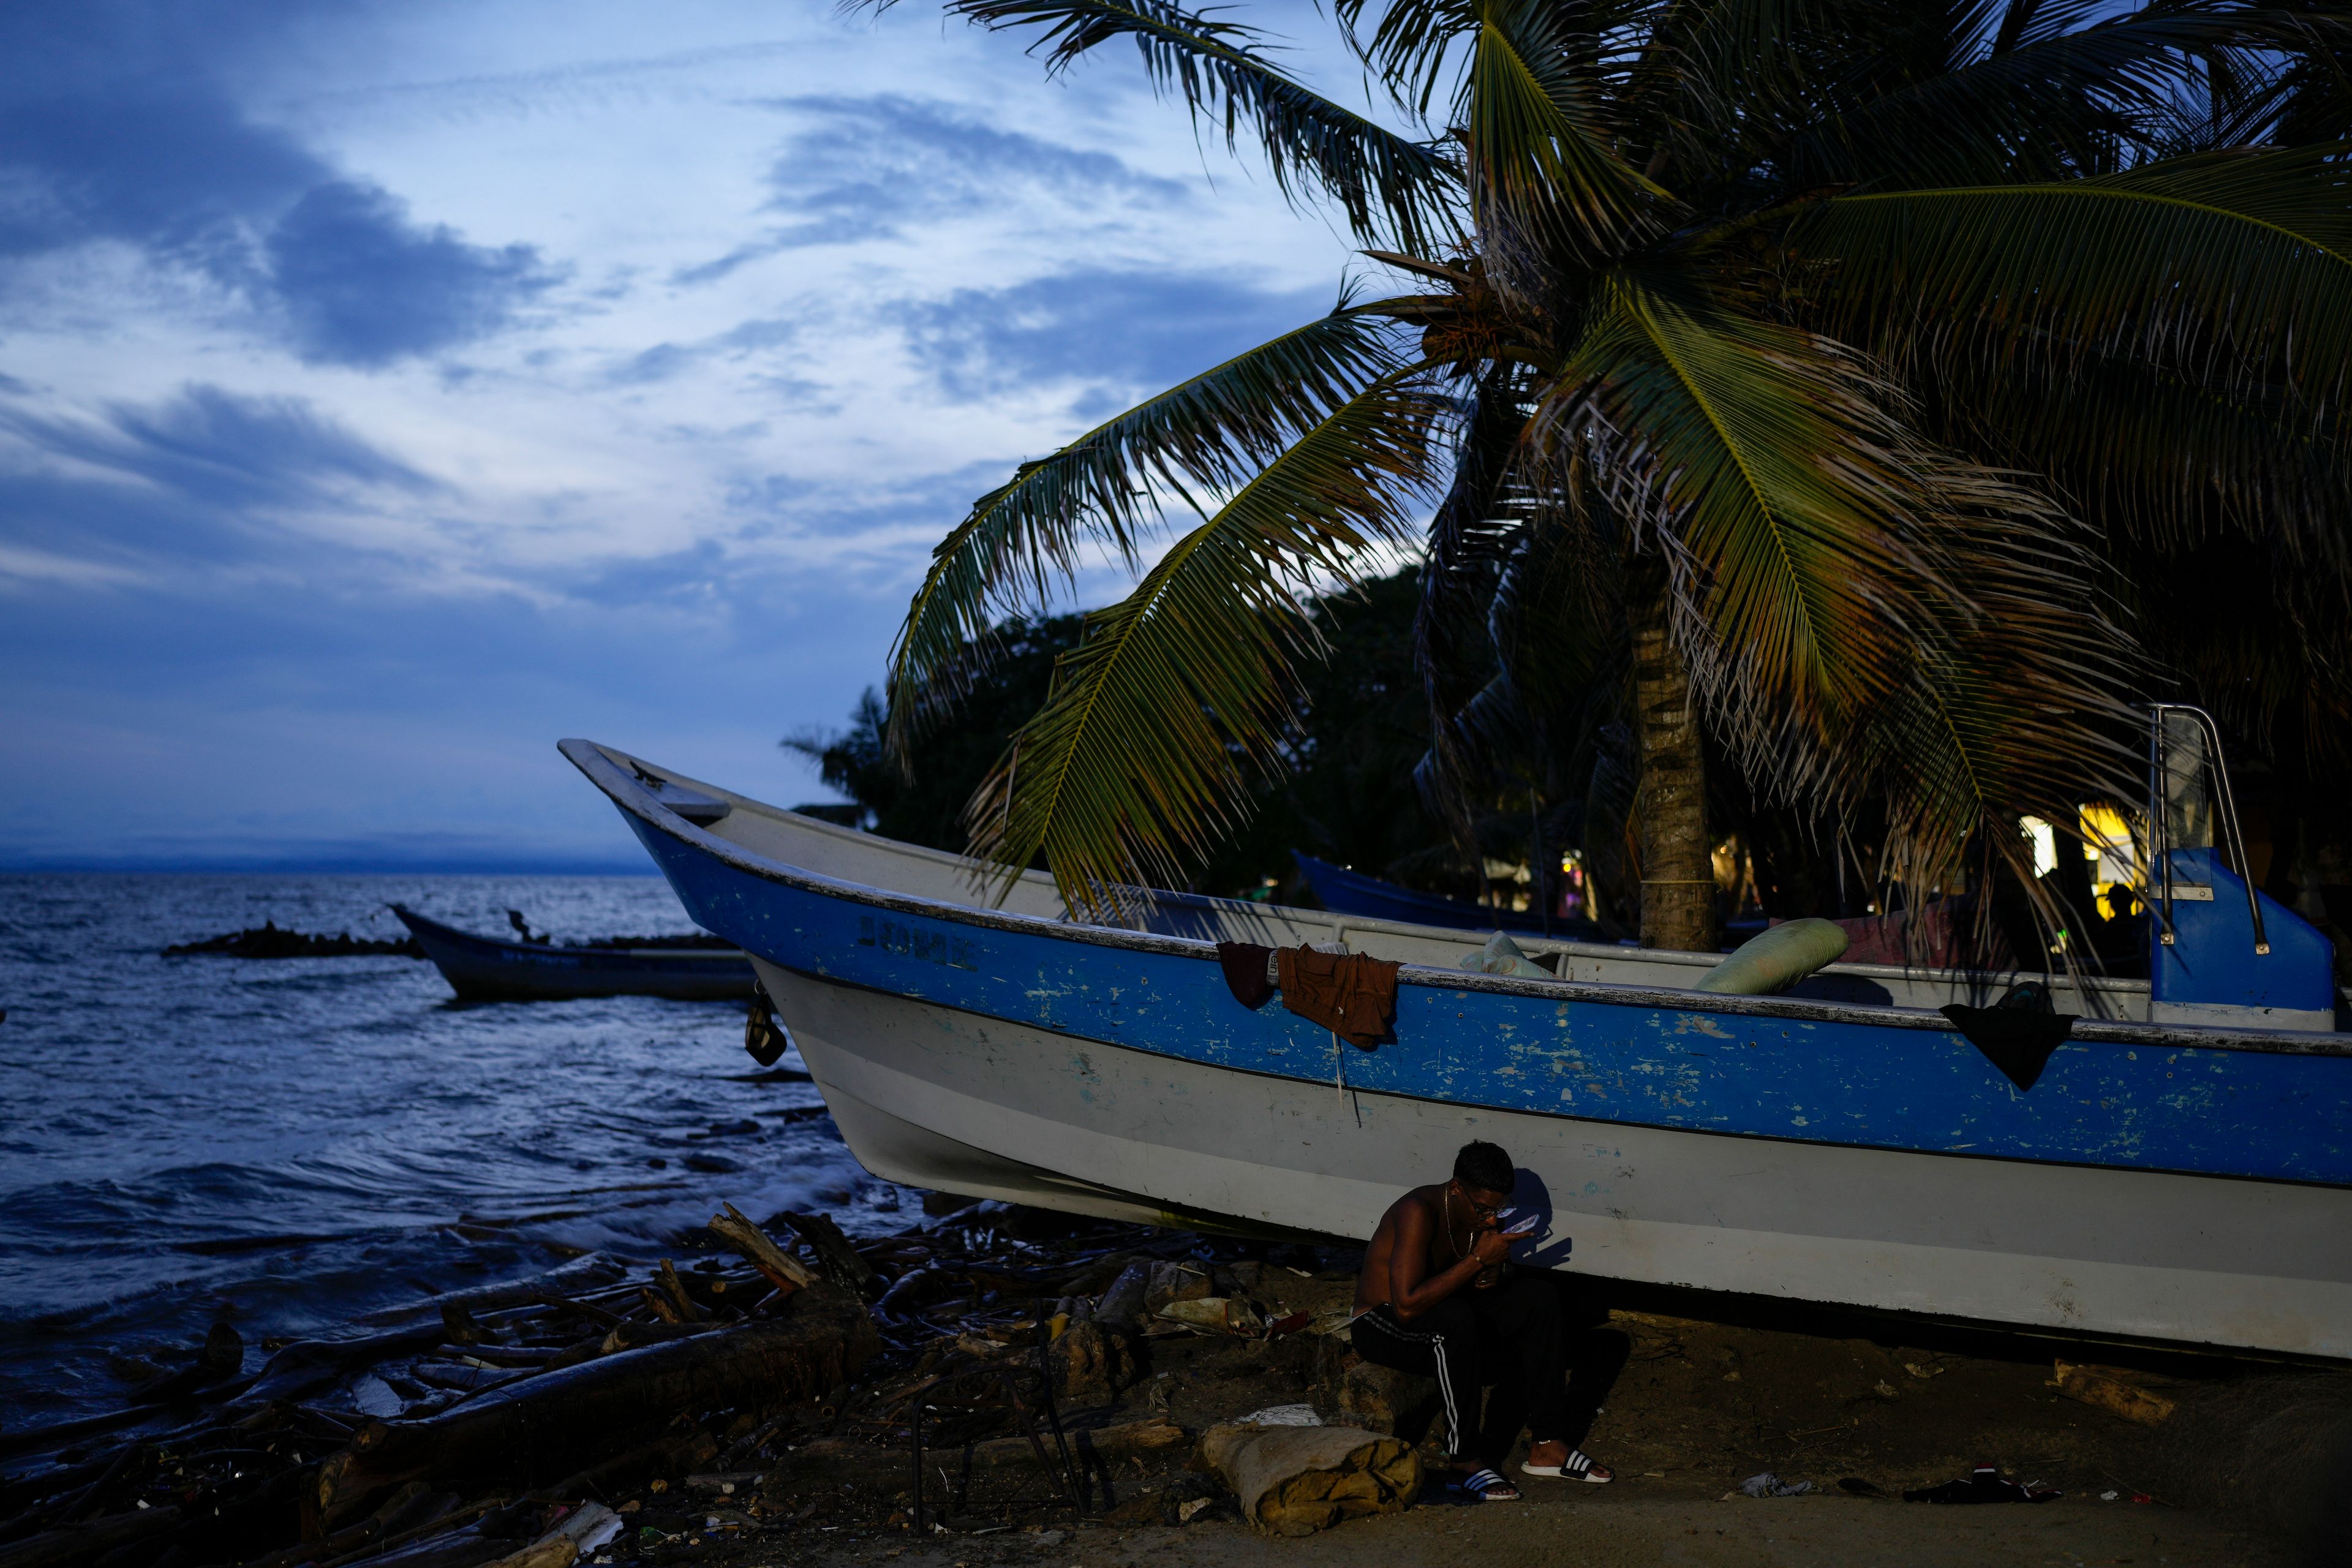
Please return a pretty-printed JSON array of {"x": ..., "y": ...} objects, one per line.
[
  {"x": 867, "y": 168},
  {"x": 205, "y": 478},
  {"x": 28, "y": 567},
  {"x": 1103, "y": 327},
  {"x": 333, "y": 265},
  {"x": 218, "y": 447},
  {"x": 361, "y": 285},
  {"x": 665, "y": 359}
]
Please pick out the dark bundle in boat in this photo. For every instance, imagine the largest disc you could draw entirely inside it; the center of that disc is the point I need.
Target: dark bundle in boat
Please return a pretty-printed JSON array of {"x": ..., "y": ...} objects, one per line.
[{"x": 266, "y": 941}]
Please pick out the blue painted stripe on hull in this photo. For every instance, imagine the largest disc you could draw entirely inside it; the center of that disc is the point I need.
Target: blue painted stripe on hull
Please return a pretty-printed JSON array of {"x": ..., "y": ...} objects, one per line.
[{"x": 2276, "y": 1117}]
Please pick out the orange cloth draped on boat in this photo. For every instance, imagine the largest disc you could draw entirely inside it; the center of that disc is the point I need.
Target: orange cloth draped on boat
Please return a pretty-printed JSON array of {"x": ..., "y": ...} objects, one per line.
[{"x": 1350, "y": 994}]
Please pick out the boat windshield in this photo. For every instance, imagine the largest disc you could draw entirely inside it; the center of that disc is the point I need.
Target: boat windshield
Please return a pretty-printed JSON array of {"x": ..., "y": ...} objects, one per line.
[{"x": 2185, "y": 778}]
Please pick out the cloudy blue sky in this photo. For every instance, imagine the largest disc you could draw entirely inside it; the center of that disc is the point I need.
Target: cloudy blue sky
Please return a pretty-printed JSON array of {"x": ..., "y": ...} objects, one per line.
[{"x": 388, "y": 390}]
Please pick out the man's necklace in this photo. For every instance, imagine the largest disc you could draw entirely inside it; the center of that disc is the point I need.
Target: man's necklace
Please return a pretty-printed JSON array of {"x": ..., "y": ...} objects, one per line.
[{"x": 1445, "y": 1205}]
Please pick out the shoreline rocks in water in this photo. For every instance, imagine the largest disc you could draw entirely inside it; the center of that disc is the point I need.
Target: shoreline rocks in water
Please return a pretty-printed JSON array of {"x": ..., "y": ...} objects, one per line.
[
  {"x": 266, "y": 941},
  {"x": 782, "y": 1391}
]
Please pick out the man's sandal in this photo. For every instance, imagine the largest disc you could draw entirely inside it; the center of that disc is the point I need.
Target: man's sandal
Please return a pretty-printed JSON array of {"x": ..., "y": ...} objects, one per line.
[
  {"x": 1487, "y": 1486},
  {"x": 1575, "y": 1467}
]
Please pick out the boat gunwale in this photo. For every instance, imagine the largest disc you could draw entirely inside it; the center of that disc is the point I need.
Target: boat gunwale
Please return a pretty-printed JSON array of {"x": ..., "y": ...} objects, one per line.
[
  {"x": 1545, "y": 1113},
  {"x": 596, "y": 761}
]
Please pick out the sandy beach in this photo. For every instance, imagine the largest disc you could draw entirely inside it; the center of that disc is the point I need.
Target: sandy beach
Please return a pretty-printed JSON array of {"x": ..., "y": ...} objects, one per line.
[
  {"x": 1689, "y": 1408},
  {"x": 1629, "y": 1526}
]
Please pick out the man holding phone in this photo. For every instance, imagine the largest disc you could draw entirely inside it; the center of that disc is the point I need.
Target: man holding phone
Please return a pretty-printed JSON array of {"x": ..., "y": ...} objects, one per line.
[{"x": 1440, "y": 1299}]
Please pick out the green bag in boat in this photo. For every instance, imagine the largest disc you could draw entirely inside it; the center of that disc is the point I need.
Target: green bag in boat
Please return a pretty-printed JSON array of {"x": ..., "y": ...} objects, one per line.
[{"x": 1777, "y": 958}]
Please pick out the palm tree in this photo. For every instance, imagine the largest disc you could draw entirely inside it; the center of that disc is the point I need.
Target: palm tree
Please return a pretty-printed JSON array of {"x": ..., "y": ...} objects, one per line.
[{"x": 1804, "y": 376}]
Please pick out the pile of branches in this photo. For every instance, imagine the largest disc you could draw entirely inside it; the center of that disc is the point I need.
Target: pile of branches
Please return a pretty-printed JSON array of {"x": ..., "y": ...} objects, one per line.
[
  {"x": 671, "y": 1395},
  {"x": 516, "y": 1407}
]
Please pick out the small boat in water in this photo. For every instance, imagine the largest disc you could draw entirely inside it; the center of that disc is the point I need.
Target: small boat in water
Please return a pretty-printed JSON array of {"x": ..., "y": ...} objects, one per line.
[
  {"x": 2172, "y": 1163},
  {"x": 493, "y": 969}
]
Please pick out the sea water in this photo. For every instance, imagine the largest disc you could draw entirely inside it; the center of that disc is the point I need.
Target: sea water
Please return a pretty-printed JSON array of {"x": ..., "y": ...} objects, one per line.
[{"x": 292, "y": 1144}]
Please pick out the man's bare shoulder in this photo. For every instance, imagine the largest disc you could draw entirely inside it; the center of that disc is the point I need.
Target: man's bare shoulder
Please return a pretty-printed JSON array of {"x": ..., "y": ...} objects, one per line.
[{"x": 1422, "y": 1203}]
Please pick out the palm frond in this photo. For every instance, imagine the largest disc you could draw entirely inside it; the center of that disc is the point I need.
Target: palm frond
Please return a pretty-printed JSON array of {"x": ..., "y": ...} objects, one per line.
[
  {"x": 1022, "y": 540},
  {"x": 1770, "y": 461},
  {"x": 1392, "y": 187},
  {"x": 2052, "y": 105},
  {"x": 1557, "y": 625},
  {"x": 1719, "y": 82},
  {"x": 2249, "y": 254},
  {"x": 2011, "y": 710},
  {"x": 1410, "y": 47},
  {"x": 2153, "y": 455},
  {"x": 1469, "y": 536},
  {"x": 2315, "y": 98},
  {"x": 1727, "y": 87},
  {"x": 1140, "y": 761},
  {"x": 1543, "y": 166}
]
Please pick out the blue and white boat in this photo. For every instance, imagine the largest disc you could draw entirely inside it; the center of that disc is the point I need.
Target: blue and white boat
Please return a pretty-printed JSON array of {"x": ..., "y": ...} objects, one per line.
[{"x": 2180, "y": 1170}]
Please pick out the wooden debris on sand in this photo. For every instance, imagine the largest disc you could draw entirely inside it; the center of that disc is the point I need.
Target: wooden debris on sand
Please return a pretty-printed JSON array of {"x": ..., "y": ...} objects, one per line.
[
  {"x": 2119, "y": 1391},
  {"x": 802, "y": 1387}
]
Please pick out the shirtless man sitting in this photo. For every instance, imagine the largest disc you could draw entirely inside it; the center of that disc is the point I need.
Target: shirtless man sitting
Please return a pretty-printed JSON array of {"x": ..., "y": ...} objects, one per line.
[{"x": 1440, "y": 1298}]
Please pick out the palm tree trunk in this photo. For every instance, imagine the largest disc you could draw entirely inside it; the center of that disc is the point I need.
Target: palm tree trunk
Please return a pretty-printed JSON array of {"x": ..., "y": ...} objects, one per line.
[{"x": 1677, "y": 863}]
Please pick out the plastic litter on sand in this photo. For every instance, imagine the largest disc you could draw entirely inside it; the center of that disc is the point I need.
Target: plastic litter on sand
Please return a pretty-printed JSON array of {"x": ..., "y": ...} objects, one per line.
[
  {"x": 1284, "y": 1416},
  {"x": 1769, "y": 1485}
]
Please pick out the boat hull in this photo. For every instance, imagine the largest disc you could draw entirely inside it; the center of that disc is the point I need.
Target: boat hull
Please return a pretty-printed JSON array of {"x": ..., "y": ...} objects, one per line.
[
  {"x": 482, "y": 969},
  {"x": 937, "y": 1098},
  {"x": 2158, "y": 1183}
]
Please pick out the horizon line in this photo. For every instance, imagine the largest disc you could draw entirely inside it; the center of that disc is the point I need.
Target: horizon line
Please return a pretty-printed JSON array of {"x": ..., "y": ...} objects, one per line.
[{"x": 360, "y": 866}]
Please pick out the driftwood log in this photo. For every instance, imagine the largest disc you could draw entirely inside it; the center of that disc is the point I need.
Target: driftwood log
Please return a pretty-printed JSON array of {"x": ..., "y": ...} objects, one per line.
[
  {"x": 402, "y": 1513},
  {"x": 788, "y": 1272},
  {"x": 553, "y": 1424},
  {"x": 464, "y": 1548},
  {"x": 310, "y": 1366},
  {"x": 673, "y": 1290},
  {"x": 836, "y": 1256},
  {"x": 80, "y": 1543},
  {"x": 1104, "y": 1443},
  {"x": 562, "y": 1545}
]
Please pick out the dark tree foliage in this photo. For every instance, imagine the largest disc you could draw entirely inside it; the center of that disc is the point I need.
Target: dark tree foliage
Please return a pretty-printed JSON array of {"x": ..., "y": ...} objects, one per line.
[
  {"x": 1350, "y": 797},
  {"x": 924, "y": 803}
]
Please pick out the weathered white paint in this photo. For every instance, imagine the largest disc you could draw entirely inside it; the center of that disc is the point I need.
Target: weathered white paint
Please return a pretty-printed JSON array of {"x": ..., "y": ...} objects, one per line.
[{"x": 942, "y": 1098}]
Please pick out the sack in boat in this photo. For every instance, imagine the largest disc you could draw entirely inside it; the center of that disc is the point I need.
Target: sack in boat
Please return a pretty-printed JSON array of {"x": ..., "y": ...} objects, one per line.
[
  {"x": 1296, "y": 1480},
  {"x": 1501, "y": 955}
]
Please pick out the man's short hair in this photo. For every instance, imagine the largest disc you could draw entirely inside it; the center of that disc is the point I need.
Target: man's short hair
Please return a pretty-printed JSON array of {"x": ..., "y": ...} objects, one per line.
[{"x": 1484, "y": 1167}]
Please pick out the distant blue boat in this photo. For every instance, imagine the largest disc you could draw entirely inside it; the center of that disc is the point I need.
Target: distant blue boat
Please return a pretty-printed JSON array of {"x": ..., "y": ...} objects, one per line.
[
  {"x": 2172, "y": 1163},
  {"x": 1348, "y": 892},
  {"x": 492, "y": 969}
]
